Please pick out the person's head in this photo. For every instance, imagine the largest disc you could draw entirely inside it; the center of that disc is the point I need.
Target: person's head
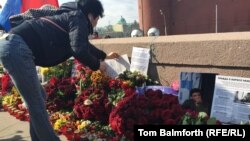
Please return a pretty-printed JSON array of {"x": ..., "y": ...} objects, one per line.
[
  {"x": 93, "y": 9},
  {"x": 107, "y": 36},
  {"x": 95, "y": 35},
  {"x": 1, "y": 8},
  {"x": 195, "y": 95}
]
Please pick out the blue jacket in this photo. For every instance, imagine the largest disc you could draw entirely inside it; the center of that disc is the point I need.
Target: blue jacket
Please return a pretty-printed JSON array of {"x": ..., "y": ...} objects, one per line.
[
  {"x": 10, "y": 8},
  {"x": 51, "y": 46}
]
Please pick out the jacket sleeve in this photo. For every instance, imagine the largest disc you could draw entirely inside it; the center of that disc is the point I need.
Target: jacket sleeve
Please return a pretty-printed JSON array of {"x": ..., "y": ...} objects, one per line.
[
  {"x": 99, "y": 54},
  {"x": 78, "y": 35}
]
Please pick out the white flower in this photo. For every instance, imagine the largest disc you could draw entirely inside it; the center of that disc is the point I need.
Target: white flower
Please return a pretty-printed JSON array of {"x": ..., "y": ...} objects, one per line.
[
  {"x": 202, "y": 115},
  {"x": 88, "y": 102}
]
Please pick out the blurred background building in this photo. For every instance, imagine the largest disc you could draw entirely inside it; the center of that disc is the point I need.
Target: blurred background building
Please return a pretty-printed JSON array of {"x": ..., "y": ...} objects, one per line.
[{"x": 118, "y": 30}]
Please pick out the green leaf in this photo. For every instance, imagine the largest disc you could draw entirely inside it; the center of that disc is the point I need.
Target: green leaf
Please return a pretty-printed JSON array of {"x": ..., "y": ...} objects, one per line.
[
  {"x": 211, "y": 121},
  {"x": 60, "y": 93},
  {"x": 198, "y": 122},
  {"x": 185, "y": 120}
]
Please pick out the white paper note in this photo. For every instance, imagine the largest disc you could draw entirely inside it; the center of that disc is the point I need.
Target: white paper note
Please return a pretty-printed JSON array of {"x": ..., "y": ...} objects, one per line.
[
  {"x": 117, "y": 66},
  {"x": 140, "y": 60}
]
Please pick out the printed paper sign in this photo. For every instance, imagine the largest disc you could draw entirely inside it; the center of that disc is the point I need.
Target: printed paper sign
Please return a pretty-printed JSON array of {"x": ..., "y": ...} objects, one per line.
[
  {"x": 140, "y": 60},
  {"x": 117, "y": 66},
  {"x": 231, "y": 101}
]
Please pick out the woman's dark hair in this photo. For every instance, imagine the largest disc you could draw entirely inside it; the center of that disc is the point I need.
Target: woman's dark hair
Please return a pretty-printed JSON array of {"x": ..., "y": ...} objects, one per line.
[
  {"x": 107, "y": 36},
  {"x": 93, "y": 7},
  {"x": 96, "y": 33},
  {"x": 194, "y": 90}
]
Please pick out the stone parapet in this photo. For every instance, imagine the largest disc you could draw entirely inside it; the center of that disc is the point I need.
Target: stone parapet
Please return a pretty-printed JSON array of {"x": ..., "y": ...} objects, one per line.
[{"x": 222, "y": 53}]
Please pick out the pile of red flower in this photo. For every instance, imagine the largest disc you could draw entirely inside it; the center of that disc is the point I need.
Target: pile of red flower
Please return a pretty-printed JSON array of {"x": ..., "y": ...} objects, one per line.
[
  {"x": 92, "y": 104},
  {"x": 5, "y": 83},
  {"x": 153, "y": 107},
  {"x": 61, "y": 94}
]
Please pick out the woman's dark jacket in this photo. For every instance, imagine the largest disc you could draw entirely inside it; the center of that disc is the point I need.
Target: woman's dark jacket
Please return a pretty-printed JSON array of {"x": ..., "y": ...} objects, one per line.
[{"x": 51, "y": 46}]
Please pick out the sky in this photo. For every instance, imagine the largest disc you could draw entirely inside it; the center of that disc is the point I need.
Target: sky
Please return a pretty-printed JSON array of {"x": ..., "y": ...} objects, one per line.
[
  {"x": 2, "y": 2},
  {"x": 114, "y": 9}
]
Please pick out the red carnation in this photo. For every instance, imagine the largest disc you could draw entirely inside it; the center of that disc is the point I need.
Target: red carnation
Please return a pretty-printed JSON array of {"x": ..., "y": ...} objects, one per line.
[
  {"x": 53, "y": 81},
  {"x": 151, "y": 108},
  {"x": 170, "y": 122}
]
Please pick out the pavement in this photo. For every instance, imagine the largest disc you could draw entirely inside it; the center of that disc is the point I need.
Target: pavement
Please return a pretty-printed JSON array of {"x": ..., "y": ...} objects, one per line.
[{"x": 12, "y": 129}]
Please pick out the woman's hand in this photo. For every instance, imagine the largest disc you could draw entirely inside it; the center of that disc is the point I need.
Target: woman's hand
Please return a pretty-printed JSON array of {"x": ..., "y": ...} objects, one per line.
[{"x": 112, "y": 55}]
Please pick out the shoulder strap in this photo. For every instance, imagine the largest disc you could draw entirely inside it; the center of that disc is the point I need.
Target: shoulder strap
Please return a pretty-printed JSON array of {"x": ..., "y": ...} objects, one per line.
[{"x": 55, "y": 24}]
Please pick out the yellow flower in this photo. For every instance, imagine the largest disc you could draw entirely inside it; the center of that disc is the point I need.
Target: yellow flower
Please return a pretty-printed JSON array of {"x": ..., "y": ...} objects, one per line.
[
  {"x": 83, "y": 125},
  {"x": 44, "y": 70},
  {"x": 6, "y": 99},
  {"x": 59, "y": 123},
  {"x": 14, "y": 90}
]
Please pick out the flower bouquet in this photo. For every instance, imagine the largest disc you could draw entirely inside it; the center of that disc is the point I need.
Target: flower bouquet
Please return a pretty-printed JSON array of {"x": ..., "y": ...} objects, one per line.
[
  {"x": 92, "y": 104},
  {"x": 87, "y": 78},
  {"x": 136, "y": 79},
  {"x": 153, "y": 107},
  {"x": 12, "y": 103},
  {"x": 119, "y": 89},
  {"x": 62, "y": 70},
  {"x": 61, "y": 94},
  {"x": 198, "y": 118},
  {"x": 6, "y": 84}
]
